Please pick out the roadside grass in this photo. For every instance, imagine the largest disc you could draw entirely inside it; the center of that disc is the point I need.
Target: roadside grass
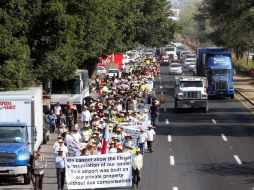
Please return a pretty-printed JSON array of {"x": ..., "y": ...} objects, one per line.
[{"x": 241, "y": 64}]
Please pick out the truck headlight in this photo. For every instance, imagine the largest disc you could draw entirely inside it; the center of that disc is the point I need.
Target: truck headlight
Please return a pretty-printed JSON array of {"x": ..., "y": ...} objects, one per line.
[
  {"x": 24, "y": 157},
  {"x": 204, "y": 96},
  {"x": 180, "y": 95}
]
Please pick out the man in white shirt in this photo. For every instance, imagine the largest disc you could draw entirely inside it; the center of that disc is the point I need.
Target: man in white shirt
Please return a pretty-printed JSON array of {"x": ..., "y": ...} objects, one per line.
[
  {"x": 142, "y": 140},
  {"x": 150, "y": 133},
  {"x": 137, "y": 164},
  {"x": 85, "y": 116},
  {"x": 62, "y": 146},
  {"x": 57, "y": 109}
]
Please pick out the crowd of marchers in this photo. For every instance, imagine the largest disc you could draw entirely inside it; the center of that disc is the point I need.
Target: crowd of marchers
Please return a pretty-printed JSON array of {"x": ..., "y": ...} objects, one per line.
[{"x": 124, "y": 98}]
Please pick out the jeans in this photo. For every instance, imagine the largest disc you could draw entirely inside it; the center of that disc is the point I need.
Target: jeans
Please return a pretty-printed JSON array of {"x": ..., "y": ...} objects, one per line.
[
  {"x": 69, "y": 124},
  {"x": 142, "y": 148},
  {"x": 38, "y": 181},
  {"x": 52, "y": 127},
  {"x": 60, "y": 172},
  {"x": 154, "y": 120}
]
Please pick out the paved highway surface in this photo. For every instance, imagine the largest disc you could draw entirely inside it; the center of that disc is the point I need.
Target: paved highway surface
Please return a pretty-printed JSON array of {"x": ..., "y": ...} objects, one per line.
[
  {"x": 200, "y": 151},
  {"x": 192, "y": 150}
]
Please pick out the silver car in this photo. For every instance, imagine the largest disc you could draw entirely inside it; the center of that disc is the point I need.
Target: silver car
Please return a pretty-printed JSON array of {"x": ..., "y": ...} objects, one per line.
[{"x": 175, "y": 69}]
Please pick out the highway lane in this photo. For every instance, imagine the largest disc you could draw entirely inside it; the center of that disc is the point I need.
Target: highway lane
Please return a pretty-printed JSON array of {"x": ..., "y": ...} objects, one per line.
[{"x": 211, "y": 151}]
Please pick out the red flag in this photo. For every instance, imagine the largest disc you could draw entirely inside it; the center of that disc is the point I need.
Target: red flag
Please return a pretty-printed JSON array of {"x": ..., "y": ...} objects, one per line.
[{"x": 105, "y": 140}]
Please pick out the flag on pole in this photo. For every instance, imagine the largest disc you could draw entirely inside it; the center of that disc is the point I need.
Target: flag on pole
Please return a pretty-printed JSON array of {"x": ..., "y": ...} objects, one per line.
[{"x": 105, "y": 137}]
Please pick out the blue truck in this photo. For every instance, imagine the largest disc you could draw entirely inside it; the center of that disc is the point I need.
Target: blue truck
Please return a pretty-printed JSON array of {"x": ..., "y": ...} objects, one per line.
[
  {"x": 216, "y": 65},
  {"x": 21, "y": 130}
]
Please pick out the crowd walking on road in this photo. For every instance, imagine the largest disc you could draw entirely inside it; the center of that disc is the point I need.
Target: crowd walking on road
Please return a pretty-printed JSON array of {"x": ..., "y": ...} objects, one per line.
[{"x": 128, "y": 97}]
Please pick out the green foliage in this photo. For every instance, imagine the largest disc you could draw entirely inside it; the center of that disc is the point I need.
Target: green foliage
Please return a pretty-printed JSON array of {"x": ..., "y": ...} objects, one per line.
[
  {"x": 232, "y": 22},
  {"x": 50, "y": 39}
]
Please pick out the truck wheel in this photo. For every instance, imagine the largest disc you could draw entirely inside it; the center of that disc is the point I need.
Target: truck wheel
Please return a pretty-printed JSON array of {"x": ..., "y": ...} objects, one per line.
[
  {"x": 27, "y": 178},
  {"x": 232, "y": 96},
  {"x": 44, "y": 138}
]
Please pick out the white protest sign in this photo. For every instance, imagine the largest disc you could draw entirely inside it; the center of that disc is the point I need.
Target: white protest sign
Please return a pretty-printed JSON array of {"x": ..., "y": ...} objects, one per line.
[
  {"x": 134, "y": 125},
  {"x": 72, "y": 145},
  {"x": 134, "y": 134},
  {"x": 99, "y": 171}
]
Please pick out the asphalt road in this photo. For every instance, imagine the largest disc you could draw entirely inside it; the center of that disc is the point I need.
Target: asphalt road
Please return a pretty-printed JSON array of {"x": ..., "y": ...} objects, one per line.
[
  {"x": 200, "y": 151},
  {"x": 192, "y": 150}
]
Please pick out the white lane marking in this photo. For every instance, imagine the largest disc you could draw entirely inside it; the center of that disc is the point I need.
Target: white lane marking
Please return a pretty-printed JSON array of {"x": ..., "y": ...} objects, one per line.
[
  {"x": 169, "y": 138},
  {"x": 214, "y": 121},
  {"x": 160, "y": 78},
  {"x": 160, "y": 86},
  {"x": 237, "y": 159},
  {"x": 161, "y": 92},
  {"x": 172, "y": 160},
  {"x": 175, "y": 188},
  {"x": 165, "y": 109},
  {"x": 167, "y": 122},
  {"x": 224, "y": 137}
]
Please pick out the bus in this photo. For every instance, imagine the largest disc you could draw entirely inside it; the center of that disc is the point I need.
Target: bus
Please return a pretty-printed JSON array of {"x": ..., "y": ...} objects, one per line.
[{"x": 73, "y": 91}]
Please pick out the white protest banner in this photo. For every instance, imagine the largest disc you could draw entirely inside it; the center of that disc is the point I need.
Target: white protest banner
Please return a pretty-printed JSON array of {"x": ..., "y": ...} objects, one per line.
[
  {"x": 134, "y": 125},
  {"x": 134, "y": 134},
  {"x": 72, "y": 145},
  {"x": 99, "y": 171}
]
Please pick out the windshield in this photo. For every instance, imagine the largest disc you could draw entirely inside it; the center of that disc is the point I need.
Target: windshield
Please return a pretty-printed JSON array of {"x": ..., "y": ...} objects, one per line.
[
  {"x": 175, "y": 65},
  {"x": 190, "y": 56},
  {"x": 220, "y": 72},
  {"x": 191, "y": 84},
  {"x": 169, "y": 49},
  {"x": 9, "y": 134},
  {"x": 66, "y": 87}
]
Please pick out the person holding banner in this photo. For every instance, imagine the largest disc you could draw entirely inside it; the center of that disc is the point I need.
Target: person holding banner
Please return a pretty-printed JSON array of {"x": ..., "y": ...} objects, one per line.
[
  {"x": 60, "y": 168},
  {"x": 137, "y": 164}
]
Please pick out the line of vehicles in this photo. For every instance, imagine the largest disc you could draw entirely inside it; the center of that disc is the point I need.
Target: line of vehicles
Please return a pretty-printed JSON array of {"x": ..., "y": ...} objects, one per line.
[
  {"x": 211, "y": 75},
  {"x": 23, "y": 125}
]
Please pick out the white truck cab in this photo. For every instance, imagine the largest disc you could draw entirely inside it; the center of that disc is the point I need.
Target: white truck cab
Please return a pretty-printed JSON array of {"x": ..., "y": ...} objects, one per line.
[{"x": 190, "y": 92}]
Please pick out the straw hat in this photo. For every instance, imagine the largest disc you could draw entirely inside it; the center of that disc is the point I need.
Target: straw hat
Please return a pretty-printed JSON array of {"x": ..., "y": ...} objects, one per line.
[{"x": 142, "y": 129}]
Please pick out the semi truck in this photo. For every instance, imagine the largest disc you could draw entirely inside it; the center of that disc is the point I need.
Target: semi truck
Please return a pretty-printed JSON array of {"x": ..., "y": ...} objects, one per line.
[
  {"x": 216, "y": 65},
  {"x": 190, "y": 92},
  {"x": 73, "y": 91},
  {"x": 21, "y": 130}
]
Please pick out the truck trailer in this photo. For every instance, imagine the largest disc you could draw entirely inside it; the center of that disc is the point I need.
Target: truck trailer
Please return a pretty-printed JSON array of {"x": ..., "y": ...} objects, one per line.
[
  {"x": 216, "y": 65},
  {"x": 21, "y": 130}
]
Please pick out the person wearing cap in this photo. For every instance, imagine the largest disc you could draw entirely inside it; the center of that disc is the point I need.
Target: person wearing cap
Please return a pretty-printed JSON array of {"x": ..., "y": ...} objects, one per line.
[
  {"x": 142, "y": 140},
  {"x": 150, "y": 137},
  {"x": 86, "y": 134},
  {"x": 86, "y": 116},
  {"x": 61, "y": 129},
  {"x": 137, "y": 164},
  {"x": 62, "y": 147},
  {"x": 56, "y": 144},
  {"x": 60, "y": 168},
  {"x": 75, "y": 133}
]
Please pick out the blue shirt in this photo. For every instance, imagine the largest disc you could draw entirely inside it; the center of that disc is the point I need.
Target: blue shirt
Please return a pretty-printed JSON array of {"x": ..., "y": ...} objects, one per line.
[{"x": 59, "y": 162}]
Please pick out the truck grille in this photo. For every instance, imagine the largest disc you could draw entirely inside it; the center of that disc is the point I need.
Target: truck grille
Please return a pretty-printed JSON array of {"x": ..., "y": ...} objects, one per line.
[
  {"x": 7, "y": 157},
  {"x": 192, "y": 95},
  {"x": 221, "y": 85}
]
